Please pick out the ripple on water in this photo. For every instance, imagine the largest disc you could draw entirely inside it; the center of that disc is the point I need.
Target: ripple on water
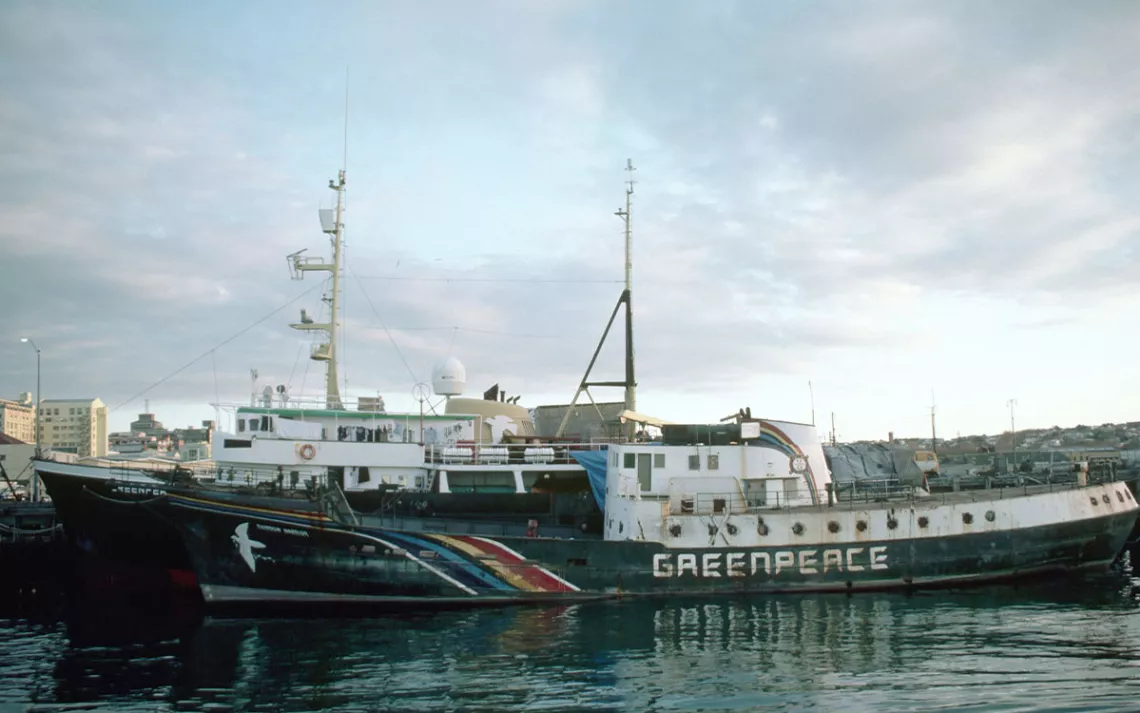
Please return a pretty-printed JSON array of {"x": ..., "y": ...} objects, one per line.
[{"x": 1045, "y": 649}]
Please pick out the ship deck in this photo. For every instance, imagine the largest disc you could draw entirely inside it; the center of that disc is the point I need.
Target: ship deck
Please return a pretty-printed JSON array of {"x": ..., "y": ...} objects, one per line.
[{"x": 871, "y": 498}]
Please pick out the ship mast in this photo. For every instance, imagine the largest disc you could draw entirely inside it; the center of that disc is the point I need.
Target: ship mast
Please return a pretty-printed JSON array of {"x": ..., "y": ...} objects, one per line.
[
  {"x": 626, "y": 300},
  {"x": 333, "y": 226},
  {"x": 625, "y": 215}
]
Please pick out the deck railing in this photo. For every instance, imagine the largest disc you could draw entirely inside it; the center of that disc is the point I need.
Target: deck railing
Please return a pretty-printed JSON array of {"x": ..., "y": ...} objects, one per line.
[
  {"x": 537, "y": 453},
  {"x": 262, "y": 477},
  {"x": 862, "y": 495}
]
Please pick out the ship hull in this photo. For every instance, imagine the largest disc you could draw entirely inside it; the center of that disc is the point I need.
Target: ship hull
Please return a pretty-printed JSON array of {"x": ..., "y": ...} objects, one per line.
[
  {"x": 118, "y": 540},
  {"x": 243, "y": 558}
]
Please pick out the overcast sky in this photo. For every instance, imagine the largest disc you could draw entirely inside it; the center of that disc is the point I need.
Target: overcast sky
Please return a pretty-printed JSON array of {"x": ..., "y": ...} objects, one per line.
[{"x": 886, "y": 199}]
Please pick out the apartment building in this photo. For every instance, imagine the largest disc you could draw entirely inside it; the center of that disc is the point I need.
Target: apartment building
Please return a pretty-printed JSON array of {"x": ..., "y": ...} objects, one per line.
[
  {"x": 18, "y": 418},
  {"x": 74, "y": 426}
]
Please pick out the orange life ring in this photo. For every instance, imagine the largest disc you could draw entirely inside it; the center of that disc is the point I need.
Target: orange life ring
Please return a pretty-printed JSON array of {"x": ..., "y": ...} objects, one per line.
[{"x": 308, "y": 451}]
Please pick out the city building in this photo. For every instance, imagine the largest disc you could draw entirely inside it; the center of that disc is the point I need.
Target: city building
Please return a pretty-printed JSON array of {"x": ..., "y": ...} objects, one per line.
[
  {"x": 16, "y": 457},
  {"x": 76, "y": 426},
  {"x": 18, "y": 418},
  {"x": 147, "y": 424}
]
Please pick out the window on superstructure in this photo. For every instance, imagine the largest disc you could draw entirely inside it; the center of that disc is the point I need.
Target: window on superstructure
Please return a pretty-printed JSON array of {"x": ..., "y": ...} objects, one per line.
[
  {"x": 241, "y": 425},
  {"x": 694, "y": 462},
  {"x": 658, "y": 460},
  {"x": 630, "y": 460},
  {"x": 714, "y": 461}
]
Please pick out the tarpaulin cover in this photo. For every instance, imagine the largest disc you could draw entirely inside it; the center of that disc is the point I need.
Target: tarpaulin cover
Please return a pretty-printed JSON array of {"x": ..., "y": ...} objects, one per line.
[{"x": 595, "y": 464}]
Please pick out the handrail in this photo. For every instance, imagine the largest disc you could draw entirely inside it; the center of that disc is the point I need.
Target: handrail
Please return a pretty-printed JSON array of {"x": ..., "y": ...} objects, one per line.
[
  {"x": 336, "y": 505},
  {"x": 533, "y": 453},
  {"x": 244, "y": 475},
  {"x": 706, "y": 503}
]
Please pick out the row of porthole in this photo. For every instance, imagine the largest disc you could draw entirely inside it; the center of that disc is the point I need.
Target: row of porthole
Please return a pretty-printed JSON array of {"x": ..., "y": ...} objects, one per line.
[
  {"x": 892, "y": 523},
  {"x": 860, "y": 525},
  {"x": 1107, "y": 500}
]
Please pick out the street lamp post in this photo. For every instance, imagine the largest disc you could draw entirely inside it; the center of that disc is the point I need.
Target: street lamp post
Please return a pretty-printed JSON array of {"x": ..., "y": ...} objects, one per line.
[{"x": 39, "y": 398}]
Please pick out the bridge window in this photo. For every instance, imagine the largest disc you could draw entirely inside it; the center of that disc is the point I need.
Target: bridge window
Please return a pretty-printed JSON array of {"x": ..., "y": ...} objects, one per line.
[
  {"x": 481, "y": 482},
  {"x": 714, "y": 462},
  {"x": 241, "y": 425},
  {"x": 630, "y": 460},
  {"x": 658, "y": 460},
  {"x": 695, "y": 462}
]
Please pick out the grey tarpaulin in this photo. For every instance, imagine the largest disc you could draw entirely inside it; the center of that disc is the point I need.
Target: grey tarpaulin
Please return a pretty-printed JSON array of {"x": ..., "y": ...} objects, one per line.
[{"x": 872, "y": 461}]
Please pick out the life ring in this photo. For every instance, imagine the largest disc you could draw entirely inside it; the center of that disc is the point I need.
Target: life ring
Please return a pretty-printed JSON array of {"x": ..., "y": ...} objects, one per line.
[{"x": 308, "y": 451}]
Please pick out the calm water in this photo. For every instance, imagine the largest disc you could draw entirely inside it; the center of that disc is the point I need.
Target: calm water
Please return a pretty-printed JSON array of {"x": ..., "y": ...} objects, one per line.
[{"x": 1072, "y": 645}]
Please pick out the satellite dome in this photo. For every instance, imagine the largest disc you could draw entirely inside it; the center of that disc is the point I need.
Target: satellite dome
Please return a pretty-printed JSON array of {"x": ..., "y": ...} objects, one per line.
[{"x": 449, "y": 377}]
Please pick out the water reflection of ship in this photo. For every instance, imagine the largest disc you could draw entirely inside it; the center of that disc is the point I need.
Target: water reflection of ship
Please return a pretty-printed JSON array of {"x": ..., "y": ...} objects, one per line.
[{"x": 616, "y": 654}]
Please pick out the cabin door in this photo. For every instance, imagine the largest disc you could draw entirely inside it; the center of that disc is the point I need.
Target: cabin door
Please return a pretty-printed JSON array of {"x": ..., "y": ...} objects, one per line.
[{"x": 645, "y": 471}]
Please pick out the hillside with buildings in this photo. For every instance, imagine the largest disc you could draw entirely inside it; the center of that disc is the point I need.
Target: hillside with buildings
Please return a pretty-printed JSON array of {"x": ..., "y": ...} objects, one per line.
[
  {"x": 79, "y": 427},
  {"x": 1106, "y": 436}
]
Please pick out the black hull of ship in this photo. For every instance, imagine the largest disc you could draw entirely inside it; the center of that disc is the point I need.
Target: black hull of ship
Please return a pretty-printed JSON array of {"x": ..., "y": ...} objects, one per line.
[
  {"x": 115, "y": 541},
  {"x": 574, "y": 510},
  {"x": 242, "y": 561},
  {"x": 119, "y": 543}
]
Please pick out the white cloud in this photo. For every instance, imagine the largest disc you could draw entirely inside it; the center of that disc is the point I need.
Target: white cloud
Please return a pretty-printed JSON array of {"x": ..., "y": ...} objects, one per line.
[{"x": 878, "y": 198}]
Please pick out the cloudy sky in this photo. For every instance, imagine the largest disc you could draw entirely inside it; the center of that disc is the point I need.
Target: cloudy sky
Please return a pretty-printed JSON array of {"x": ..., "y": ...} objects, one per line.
[{"x": 888, "y": 200}]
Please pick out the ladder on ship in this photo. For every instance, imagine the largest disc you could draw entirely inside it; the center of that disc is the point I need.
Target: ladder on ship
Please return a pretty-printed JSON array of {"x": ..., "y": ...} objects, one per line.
[{"x": 336, "y": 506}]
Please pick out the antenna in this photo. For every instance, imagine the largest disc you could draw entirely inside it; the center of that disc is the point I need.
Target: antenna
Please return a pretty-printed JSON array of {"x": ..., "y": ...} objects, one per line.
[
  {"x": 811, "y": 395},
  {"x": 344, "y": 161},
  {"x": 933, "y": 434},
  {"x": 344, "y": 167},
  {"x": 332, "y": 224},
  {"x": 625, "y": 215}
]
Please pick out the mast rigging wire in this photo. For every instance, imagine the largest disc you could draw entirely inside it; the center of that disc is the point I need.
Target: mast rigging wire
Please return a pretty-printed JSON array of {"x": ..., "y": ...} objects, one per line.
[{"x": 210, "y": 351}]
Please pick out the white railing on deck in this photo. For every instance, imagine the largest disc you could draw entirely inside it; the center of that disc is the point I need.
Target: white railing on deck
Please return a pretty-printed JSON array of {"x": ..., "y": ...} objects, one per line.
[
  {"x": 844, "y": 499},
  {"x": 506, "y": 453},
  {"x": 251, "y": 476}
]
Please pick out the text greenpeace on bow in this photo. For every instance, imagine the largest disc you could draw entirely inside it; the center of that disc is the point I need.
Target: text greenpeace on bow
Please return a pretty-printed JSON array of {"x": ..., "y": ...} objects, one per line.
[{"x": 745, "y": 564}]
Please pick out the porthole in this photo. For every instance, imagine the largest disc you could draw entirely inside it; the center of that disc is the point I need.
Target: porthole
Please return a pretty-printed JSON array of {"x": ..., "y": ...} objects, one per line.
[
  {"x": 990, "y": 515},
  {"x": 833, "y": 526},
  {"x": 798, "y": 528},
  {"x": 923, "y": 521},
  {"x": 967, "y": 518}
]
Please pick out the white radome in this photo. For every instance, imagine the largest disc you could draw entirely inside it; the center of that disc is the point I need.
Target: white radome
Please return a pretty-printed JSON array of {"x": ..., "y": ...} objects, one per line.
[{"x": 449, "y": 378}]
